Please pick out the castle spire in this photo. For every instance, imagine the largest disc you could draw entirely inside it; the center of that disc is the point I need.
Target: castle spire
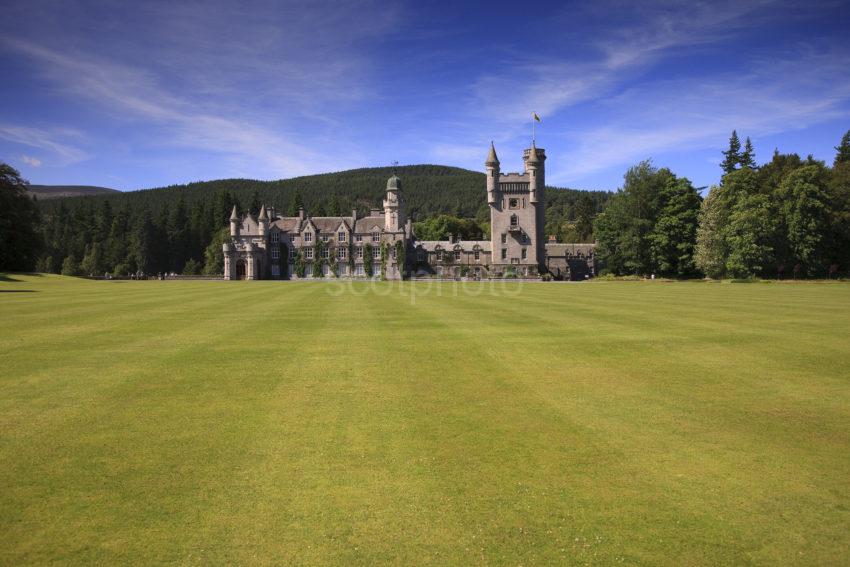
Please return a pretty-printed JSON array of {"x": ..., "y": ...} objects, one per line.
[
  {"x": 532, "y": 154},
  {"x": 492, "y": 159},
  {"x": 234, "y": 215},
  {"x": 263, "y": 214}
]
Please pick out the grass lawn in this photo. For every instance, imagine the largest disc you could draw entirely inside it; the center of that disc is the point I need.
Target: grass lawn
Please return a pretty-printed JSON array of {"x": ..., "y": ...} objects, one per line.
[{"x": 274, "y": 422}]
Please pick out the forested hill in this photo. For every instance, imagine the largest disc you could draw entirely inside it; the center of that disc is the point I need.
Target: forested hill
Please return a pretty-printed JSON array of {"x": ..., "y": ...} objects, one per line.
[
  {"x": 42, "y": 192},
  {"x": 172, "y": 228},
  {"x": 428, "y": 189}
]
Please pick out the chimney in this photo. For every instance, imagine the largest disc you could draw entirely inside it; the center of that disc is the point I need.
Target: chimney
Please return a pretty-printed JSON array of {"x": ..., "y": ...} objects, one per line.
[
  {"x": 354, "y": 214},
  {"x": 271, "y": 212},
  {"x": 301, "y": 213},
  {"x": 376, "y": 212}
]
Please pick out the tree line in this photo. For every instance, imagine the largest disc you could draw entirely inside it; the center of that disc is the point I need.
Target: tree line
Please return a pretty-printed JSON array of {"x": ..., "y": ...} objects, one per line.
[
  {"x": 180, "y": 228},
  {"x": 788, "y": 217}
]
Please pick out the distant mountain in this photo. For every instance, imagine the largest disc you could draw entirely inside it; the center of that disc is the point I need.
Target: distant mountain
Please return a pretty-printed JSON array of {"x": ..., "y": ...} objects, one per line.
[{"x": 43, "y": 192}]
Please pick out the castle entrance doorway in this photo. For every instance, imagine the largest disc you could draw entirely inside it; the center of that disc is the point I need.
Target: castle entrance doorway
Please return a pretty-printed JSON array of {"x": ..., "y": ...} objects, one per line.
[{"x": 240, "y": 269}]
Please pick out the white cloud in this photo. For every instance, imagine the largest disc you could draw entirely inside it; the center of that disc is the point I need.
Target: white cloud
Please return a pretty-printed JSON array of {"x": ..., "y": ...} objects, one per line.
[
  {"x": 29, "y": 160},
  {"x": 238, "y": 81},
  {"x": 46, "y": 139}
]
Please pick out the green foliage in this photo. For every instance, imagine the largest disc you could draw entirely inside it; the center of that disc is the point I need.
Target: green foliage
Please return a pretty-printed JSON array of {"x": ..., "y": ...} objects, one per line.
[
  {"x": 20, "y": 243},
  {"x": 843, "y": 150},
  {"x": 751, "y": 227},
  {"x": 385, "y": 253},
  {"x": 367, "y": 259},
  {"x": 318, "y": 262},
  {"x": 650, "y": 225},
  {"x": 192, "y": 268},
  {"x": 748, "y": 157},
  {"x": 805, "y": 207},
  {"x": 442, "y": 227},
  {"x": 711, "y": 248},
  {"x": 300, "y": 266},
  {"x": 70, "y": 267},
  {"x": 732, "y": 156},
  {"x": 214, "y": 255},
  {"x": 401, "y": 257}
]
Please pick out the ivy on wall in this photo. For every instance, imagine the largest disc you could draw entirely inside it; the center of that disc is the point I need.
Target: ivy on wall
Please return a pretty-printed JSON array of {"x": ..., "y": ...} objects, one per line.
[{"x": 367, "y": 260}]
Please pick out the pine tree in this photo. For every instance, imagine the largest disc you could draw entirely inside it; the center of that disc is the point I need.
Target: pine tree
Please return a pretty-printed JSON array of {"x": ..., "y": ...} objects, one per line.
[
  {"x": 843, "y": 149},
  {"x": 732, "y": 155},
  {"x": 19, "y": 219},
  {"x": 748, "y": 157}
]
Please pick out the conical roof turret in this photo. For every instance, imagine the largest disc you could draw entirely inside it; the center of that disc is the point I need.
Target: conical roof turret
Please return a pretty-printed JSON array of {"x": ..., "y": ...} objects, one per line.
[
  {"x": 532, "y": 154},
  {"x": 492, "y": 159},
  {"x": 263, "y": 214},
  {"x": 234, "y": 215}
]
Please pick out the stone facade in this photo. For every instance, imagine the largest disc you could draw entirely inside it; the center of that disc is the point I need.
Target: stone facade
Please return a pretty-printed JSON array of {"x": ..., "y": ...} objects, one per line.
[{"x": 383, "y": 244}]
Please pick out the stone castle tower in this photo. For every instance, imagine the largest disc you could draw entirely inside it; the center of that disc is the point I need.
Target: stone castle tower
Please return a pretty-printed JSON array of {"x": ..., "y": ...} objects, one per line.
[
  {"x": 517, "y": 213},
  {"x": 395, "y": 216}
]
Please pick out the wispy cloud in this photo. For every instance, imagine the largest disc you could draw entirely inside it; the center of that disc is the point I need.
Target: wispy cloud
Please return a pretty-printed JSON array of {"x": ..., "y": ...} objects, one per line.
[
  {"x": 225, "y": 79},
  {"x": 694, "y": 114},
  {"x": 54, "y": 140},
  {"x": 29, "y": 160}
]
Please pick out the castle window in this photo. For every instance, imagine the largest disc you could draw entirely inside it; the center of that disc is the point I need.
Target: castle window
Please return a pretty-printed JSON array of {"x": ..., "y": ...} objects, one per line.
[
  {"x": 309, "y": 253},
  {"x": 292, "y": 253},
  {"x": 340, "y": 236},
  {"x": 292, "y": 237},
  {"x": 513, "y": 203},
  {"x": 358, "y": 271},
  {"x": 477, "y": 255},
  {"x": 504, "y": 238},
  {"x": 340, "y": 253},
  {"x": 358, "y": 238},
  {"x": 325, "y": 253},
  {"x": 275, "y": 253},
  {"x": 376, "y": 237},
  {"x": 514, "y": 221},
  {"x": 275, "y": 238},
  {"x": 325, "y": 238},
  {"x": 359, "y": 253},
  {"x": 308, "y": 237},
  {"x": 376, "y": 252},
  {"x": 457, "y": 254},
  {"x": 504, "y": 253},
  {"x": 524, "y": 253}
]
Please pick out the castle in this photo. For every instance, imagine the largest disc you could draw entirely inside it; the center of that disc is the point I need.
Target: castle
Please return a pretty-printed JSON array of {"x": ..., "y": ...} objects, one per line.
[{"x": 383, "y": 243}]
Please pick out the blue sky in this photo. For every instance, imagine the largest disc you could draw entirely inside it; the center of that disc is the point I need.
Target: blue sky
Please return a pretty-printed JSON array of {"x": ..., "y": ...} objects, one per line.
[{"x": 145, "y": 94}]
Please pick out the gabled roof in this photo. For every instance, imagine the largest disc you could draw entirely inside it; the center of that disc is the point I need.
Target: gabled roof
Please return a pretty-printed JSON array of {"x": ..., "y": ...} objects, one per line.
[
  {"x": 367, "y": 224},
  {"x": 287, "y": 224}
]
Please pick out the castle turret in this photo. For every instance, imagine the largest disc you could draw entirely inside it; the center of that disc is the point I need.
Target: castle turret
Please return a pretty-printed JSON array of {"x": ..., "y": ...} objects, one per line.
[
  {"x": 234, "y": 222},
  {"x": 263, "y": 221},
  {"x": 492, "y": 165},
  {"x": 394, "y": 213},
  {"x": 533, "y": 166}
]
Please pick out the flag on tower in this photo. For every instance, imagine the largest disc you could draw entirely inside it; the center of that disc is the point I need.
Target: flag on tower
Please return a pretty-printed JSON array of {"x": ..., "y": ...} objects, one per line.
[{"x": 534, "y": 114}]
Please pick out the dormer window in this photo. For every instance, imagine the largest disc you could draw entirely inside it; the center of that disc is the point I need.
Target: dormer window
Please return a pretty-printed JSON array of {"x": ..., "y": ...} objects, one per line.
[
  {"x": 376, "y": 237},
  {"x": 275, "y": 238},
  {"x": 325, "y": 238},
  {"x": 340, "y": 236},
  {"x": 308, "y": 236},
  {"x": 457, "y": 255}
]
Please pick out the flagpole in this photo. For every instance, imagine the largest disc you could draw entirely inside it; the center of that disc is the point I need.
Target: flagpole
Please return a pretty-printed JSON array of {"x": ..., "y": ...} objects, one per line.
[{"x": 532, "y": 130}]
